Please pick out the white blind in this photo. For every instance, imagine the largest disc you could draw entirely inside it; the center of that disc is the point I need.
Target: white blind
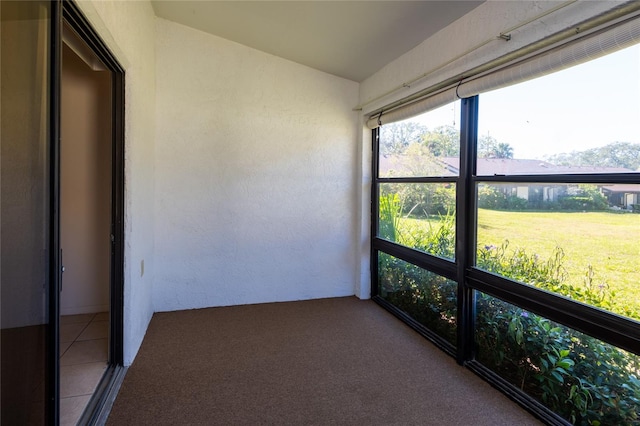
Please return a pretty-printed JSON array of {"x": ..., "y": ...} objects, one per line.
[
  {"x": 412, "y": 109},
  {"x": 583, "y": 50}
]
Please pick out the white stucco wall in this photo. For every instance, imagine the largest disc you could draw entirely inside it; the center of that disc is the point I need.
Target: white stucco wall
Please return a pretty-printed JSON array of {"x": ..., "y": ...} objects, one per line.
[
  {"x": 128, "y": 28},
  {"x": 256, "y": 176},
  {"x": 484, "y": 23}
]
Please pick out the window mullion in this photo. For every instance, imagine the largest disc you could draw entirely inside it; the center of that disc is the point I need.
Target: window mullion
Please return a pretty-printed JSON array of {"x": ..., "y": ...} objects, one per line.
[
  {"x": 373, "y": 263},
  {"x": 465, "y": 218}
]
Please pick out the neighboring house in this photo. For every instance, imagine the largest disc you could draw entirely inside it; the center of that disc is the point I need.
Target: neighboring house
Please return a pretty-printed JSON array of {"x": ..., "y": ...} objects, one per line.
[{"x": 623, "y": 196}]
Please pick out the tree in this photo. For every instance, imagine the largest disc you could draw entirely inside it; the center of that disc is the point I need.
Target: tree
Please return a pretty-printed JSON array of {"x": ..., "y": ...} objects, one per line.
[
  {"x": 503, "y": 150},
  {"x": 616, "y": 154},
  {"x": 396, "y": 137},
  {"x": 489, "y": 147},
  {"x": 416, "y": 160},
  {"x": 443, "y": 141}
]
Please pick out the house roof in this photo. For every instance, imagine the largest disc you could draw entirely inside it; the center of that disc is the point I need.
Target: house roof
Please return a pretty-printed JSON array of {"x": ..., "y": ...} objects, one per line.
[
  {"x": 515, "y": 166},
  {"x": 623, "y": 188},
  {"x": 449, "y": 166}
]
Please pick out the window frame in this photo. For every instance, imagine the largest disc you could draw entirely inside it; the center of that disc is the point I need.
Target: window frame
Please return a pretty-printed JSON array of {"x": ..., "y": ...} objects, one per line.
[{"x": 607, "y": 326}]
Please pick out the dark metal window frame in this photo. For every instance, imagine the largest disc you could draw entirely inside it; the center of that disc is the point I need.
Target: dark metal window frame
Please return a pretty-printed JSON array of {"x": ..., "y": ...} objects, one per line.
[
  {"x": 606, "y": 326},
  {"x": 68, "y": 12}
]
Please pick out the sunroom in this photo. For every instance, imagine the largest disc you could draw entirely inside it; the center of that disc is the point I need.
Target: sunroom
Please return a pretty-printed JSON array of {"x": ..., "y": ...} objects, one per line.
[{"x": 454, "y": 164}]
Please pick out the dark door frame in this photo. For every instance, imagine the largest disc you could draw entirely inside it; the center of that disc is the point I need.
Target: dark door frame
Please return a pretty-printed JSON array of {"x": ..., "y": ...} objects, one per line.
[{"x": 68, "y": 12}]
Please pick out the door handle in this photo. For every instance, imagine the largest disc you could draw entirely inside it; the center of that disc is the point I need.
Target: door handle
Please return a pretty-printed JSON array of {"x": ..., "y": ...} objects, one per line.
[{"x": 62, "y": 269}]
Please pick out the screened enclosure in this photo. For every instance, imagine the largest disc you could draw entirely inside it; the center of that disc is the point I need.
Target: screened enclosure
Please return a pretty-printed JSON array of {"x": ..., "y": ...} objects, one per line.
[{"x": 505, "y": 225}]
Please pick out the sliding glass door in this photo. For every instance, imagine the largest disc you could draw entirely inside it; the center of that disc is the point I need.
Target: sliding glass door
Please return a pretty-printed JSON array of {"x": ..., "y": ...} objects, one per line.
[{"x": 25, "y": 338}]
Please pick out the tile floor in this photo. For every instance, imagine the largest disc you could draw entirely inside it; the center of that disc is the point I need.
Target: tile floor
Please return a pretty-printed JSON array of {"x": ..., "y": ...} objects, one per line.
[{"x": 83, "y": 360}]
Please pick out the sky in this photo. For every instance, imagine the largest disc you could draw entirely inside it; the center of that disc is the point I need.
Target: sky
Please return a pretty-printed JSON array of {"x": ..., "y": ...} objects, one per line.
[{"x": 583, "y": 107}]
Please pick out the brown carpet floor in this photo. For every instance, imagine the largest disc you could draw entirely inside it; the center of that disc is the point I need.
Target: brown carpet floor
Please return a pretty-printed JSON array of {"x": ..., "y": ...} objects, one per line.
[{"x": 320, "y": 362}]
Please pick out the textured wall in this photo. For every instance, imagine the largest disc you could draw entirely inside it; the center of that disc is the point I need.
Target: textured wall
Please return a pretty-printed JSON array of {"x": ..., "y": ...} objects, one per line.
[
  {"x": 128, "y": 28},
  {"x": 484, "y": 23},
  {"x": 256, "y": 172}
]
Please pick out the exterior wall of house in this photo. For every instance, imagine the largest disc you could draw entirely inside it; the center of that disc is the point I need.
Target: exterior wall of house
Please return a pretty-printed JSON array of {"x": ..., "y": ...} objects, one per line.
[
  {"x": 485, "y": 23},
  {"x": 255, "y": 170},
  {"x": 128, "y": 29}
]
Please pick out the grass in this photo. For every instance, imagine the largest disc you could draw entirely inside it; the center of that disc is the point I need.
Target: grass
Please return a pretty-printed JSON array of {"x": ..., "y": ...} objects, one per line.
[{"x": 609, "y": 242}]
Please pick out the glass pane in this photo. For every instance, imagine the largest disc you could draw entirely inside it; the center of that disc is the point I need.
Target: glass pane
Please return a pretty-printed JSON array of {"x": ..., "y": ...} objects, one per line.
[
  {"x": 420, "y": 216},
  {"x": 582, "y": 379},
  {"x": 428, "y": 298},
  {"x": 25, "y": 210},
  {"x": 580, "y": 241},
  {"x": 585, "y": 119},
  {"x": 425, "y": 145}
]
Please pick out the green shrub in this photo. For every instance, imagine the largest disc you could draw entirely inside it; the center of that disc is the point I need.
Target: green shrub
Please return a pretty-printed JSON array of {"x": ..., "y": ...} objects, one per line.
[
  {"x": 491, "y": 197},
  {"x": 427, "y": 297},
  {"x": 438, "y": 239},
  {"x": 443, "y": 200},
  {"x": 515, "y": 203},
  {"x": 582, "y": 202},
  {"x": 390, "y": 208},
  {"x": 580, "y": 378},
  {"x": 577, "y": 376},
  {"x": 580, "y": 198},
  {"x": 551, "y": 275},
  {"x": 422, "y": 200}
]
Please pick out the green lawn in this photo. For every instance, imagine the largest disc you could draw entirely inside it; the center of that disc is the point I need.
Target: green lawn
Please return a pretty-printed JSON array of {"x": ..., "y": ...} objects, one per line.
[{"x": 610, "y": 242}]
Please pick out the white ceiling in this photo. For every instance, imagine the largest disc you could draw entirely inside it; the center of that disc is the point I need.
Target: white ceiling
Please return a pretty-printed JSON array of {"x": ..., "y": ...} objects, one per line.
[{"x": 350, "y": 39}]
